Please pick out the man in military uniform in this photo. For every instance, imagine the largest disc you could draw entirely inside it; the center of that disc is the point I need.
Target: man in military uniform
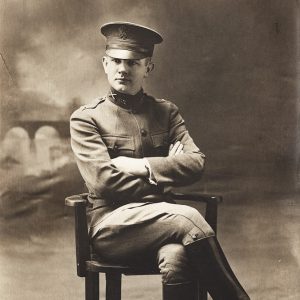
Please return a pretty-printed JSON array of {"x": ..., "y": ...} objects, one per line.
[{"x": 130, "y": 149}]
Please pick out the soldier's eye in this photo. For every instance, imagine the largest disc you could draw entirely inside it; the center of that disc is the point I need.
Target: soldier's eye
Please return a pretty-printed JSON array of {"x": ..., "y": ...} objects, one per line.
[
  {"x": 116, "y": 60},
  {"x": 132, "y": 62}
]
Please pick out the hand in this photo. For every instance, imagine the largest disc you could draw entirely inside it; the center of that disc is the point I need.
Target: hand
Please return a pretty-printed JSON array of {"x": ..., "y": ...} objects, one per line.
[
  {"x": 175, "y": 149},
  {"x": 135, "y": 166}
]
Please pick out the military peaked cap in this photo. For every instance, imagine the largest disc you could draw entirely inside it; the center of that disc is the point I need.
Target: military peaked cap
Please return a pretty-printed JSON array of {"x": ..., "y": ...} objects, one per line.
[{"x": 126, "y": 40}]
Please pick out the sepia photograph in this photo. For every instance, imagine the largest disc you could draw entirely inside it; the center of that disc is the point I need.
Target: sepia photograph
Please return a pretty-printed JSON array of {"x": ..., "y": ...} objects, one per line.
[{"x": 149, "y": 150}]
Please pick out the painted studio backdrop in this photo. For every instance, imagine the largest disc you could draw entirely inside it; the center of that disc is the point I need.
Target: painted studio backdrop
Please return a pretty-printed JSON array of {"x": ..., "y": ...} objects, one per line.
[{"x": 231, "y": 66}]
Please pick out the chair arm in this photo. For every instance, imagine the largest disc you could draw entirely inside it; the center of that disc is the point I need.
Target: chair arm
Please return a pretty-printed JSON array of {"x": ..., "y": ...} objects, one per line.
[
  {"x": 211, "y": 213},
  {"x": 197, "y": 197},
  {"x": 76, "y": 200}
]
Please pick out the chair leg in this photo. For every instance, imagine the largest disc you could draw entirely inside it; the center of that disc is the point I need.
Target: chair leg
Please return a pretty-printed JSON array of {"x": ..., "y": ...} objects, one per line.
[
  {"x": 92, "y": 286},
  {"x": 113, "y": 286}
]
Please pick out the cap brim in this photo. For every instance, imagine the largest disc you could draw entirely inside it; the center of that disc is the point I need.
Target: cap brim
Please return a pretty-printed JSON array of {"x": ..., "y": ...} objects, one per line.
[
  {"x": 124, "y": 54},
  {"x": 155, "y": 37}
]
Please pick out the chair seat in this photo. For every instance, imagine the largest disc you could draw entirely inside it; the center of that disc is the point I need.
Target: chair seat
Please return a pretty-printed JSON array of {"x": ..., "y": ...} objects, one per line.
[{"x": 103, "y": 267}]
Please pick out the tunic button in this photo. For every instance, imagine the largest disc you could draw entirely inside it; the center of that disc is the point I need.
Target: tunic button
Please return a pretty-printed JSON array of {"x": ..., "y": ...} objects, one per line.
[
  {"x": 195, "y": 236},
  {"x": 115, "y": 147},
  {"x": 143, "y": 132}
]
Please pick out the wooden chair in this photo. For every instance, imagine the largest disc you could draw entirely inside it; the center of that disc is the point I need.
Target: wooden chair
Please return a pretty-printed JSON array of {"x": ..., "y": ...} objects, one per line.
[{"x": 89, "y": 266}]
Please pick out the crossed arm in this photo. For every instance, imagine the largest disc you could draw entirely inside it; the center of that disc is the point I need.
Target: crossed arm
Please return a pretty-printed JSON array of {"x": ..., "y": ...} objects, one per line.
[
  {"x": 124, "y": 177},
  {"x": 138, "y": 166}
]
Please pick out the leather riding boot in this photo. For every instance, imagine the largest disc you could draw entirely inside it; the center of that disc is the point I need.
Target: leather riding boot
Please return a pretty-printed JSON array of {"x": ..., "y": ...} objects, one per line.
[
  {"x": 180, "y": 291},
  {"x": 214, "y": 271}
]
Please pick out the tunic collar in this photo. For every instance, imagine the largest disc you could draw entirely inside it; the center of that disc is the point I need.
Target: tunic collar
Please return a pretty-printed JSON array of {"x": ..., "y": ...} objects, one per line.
[{"x": 131, "y": 102}]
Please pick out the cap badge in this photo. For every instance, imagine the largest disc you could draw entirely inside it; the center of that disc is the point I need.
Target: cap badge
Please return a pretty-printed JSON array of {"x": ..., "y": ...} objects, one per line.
[{"x": 123, "y": 33}]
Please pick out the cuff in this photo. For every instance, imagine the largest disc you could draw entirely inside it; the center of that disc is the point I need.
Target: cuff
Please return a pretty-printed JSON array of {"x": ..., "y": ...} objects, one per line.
[{"x": 150, "y": 175}]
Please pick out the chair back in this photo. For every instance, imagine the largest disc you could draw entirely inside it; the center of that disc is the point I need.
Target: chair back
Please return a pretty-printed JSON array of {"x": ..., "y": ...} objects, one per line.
[{"x": 79, "y": 202}]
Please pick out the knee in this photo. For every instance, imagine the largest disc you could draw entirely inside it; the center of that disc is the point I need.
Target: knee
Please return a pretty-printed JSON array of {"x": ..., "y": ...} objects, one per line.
[
  {"x": 173, "y": 264},
  {"x": 199, "y": 222},
  {"x": 192, "y": 214}
]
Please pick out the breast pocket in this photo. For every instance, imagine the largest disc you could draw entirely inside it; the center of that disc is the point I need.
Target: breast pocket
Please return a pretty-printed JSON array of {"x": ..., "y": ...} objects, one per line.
[
  {"x": 119, "y": 145},
  {"x": 160, "y": 144}
]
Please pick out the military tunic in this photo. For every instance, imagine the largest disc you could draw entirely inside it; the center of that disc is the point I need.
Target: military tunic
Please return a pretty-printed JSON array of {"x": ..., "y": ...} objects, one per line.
[{"x": 106, "y": 129}]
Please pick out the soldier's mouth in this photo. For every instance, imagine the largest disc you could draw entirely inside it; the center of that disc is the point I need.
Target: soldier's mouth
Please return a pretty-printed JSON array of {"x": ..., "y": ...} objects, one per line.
[{"x": 122, "y": 79}]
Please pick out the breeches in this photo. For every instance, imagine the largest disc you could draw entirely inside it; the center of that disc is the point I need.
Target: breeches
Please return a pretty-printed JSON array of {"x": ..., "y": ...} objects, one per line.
[{"x": 152, "y": 233}]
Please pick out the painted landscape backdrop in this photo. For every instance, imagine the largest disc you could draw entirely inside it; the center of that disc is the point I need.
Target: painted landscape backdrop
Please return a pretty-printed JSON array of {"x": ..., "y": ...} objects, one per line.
[{"x": 232, "y": 67}]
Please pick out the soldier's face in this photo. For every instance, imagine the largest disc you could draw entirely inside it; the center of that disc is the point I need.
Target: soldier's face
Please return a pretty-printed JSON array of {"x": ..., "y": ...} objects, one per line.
[{"x": 126, "y": 75}]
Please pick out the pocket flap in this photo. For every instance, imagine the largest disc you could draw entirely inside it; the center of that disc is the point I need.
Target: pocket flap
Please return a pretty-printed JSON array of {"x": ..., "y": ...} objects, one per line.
[
  {"x": 119, "y": 142},
  {"x": 160, "y": 139}
]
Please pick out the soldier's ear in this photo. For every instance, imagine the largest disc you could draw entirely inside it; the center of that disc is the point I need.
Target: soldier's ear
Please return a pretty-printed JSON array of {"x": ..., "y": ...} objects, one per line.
[
  {"x": 104, "y": 63},
  {"x": 150, "y": 67}
]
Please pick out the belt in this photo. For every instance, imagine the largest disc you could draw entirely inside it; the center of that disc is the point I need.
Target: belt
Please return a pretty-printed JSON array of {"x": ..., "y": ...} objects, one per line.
[
  {"x": 101, "y": 202},
  {"x": 150, "y": 198}
]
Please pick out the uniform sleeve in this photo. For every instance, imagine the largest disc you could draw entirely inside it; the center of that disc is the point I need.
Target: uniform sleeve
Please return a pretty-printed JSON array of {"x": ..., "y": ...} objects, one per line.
[
  {"x": 181, "y": 169},
  {"x": 101, "y": 177}
]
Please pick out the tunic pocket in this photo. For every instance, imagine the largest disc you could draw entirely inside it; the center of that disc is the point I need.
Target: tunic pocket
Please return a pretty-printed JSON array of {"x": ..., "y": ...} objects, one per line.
[
  {"x": 160, "y": 143},
  {"x": 119, "y": 145}
]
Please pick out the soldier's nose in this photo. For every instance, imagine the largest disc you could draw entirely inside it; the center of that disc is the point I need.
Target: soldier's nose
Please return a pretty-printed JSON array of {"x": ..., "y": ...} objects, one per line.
[{"x": 122, "y": 68}]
